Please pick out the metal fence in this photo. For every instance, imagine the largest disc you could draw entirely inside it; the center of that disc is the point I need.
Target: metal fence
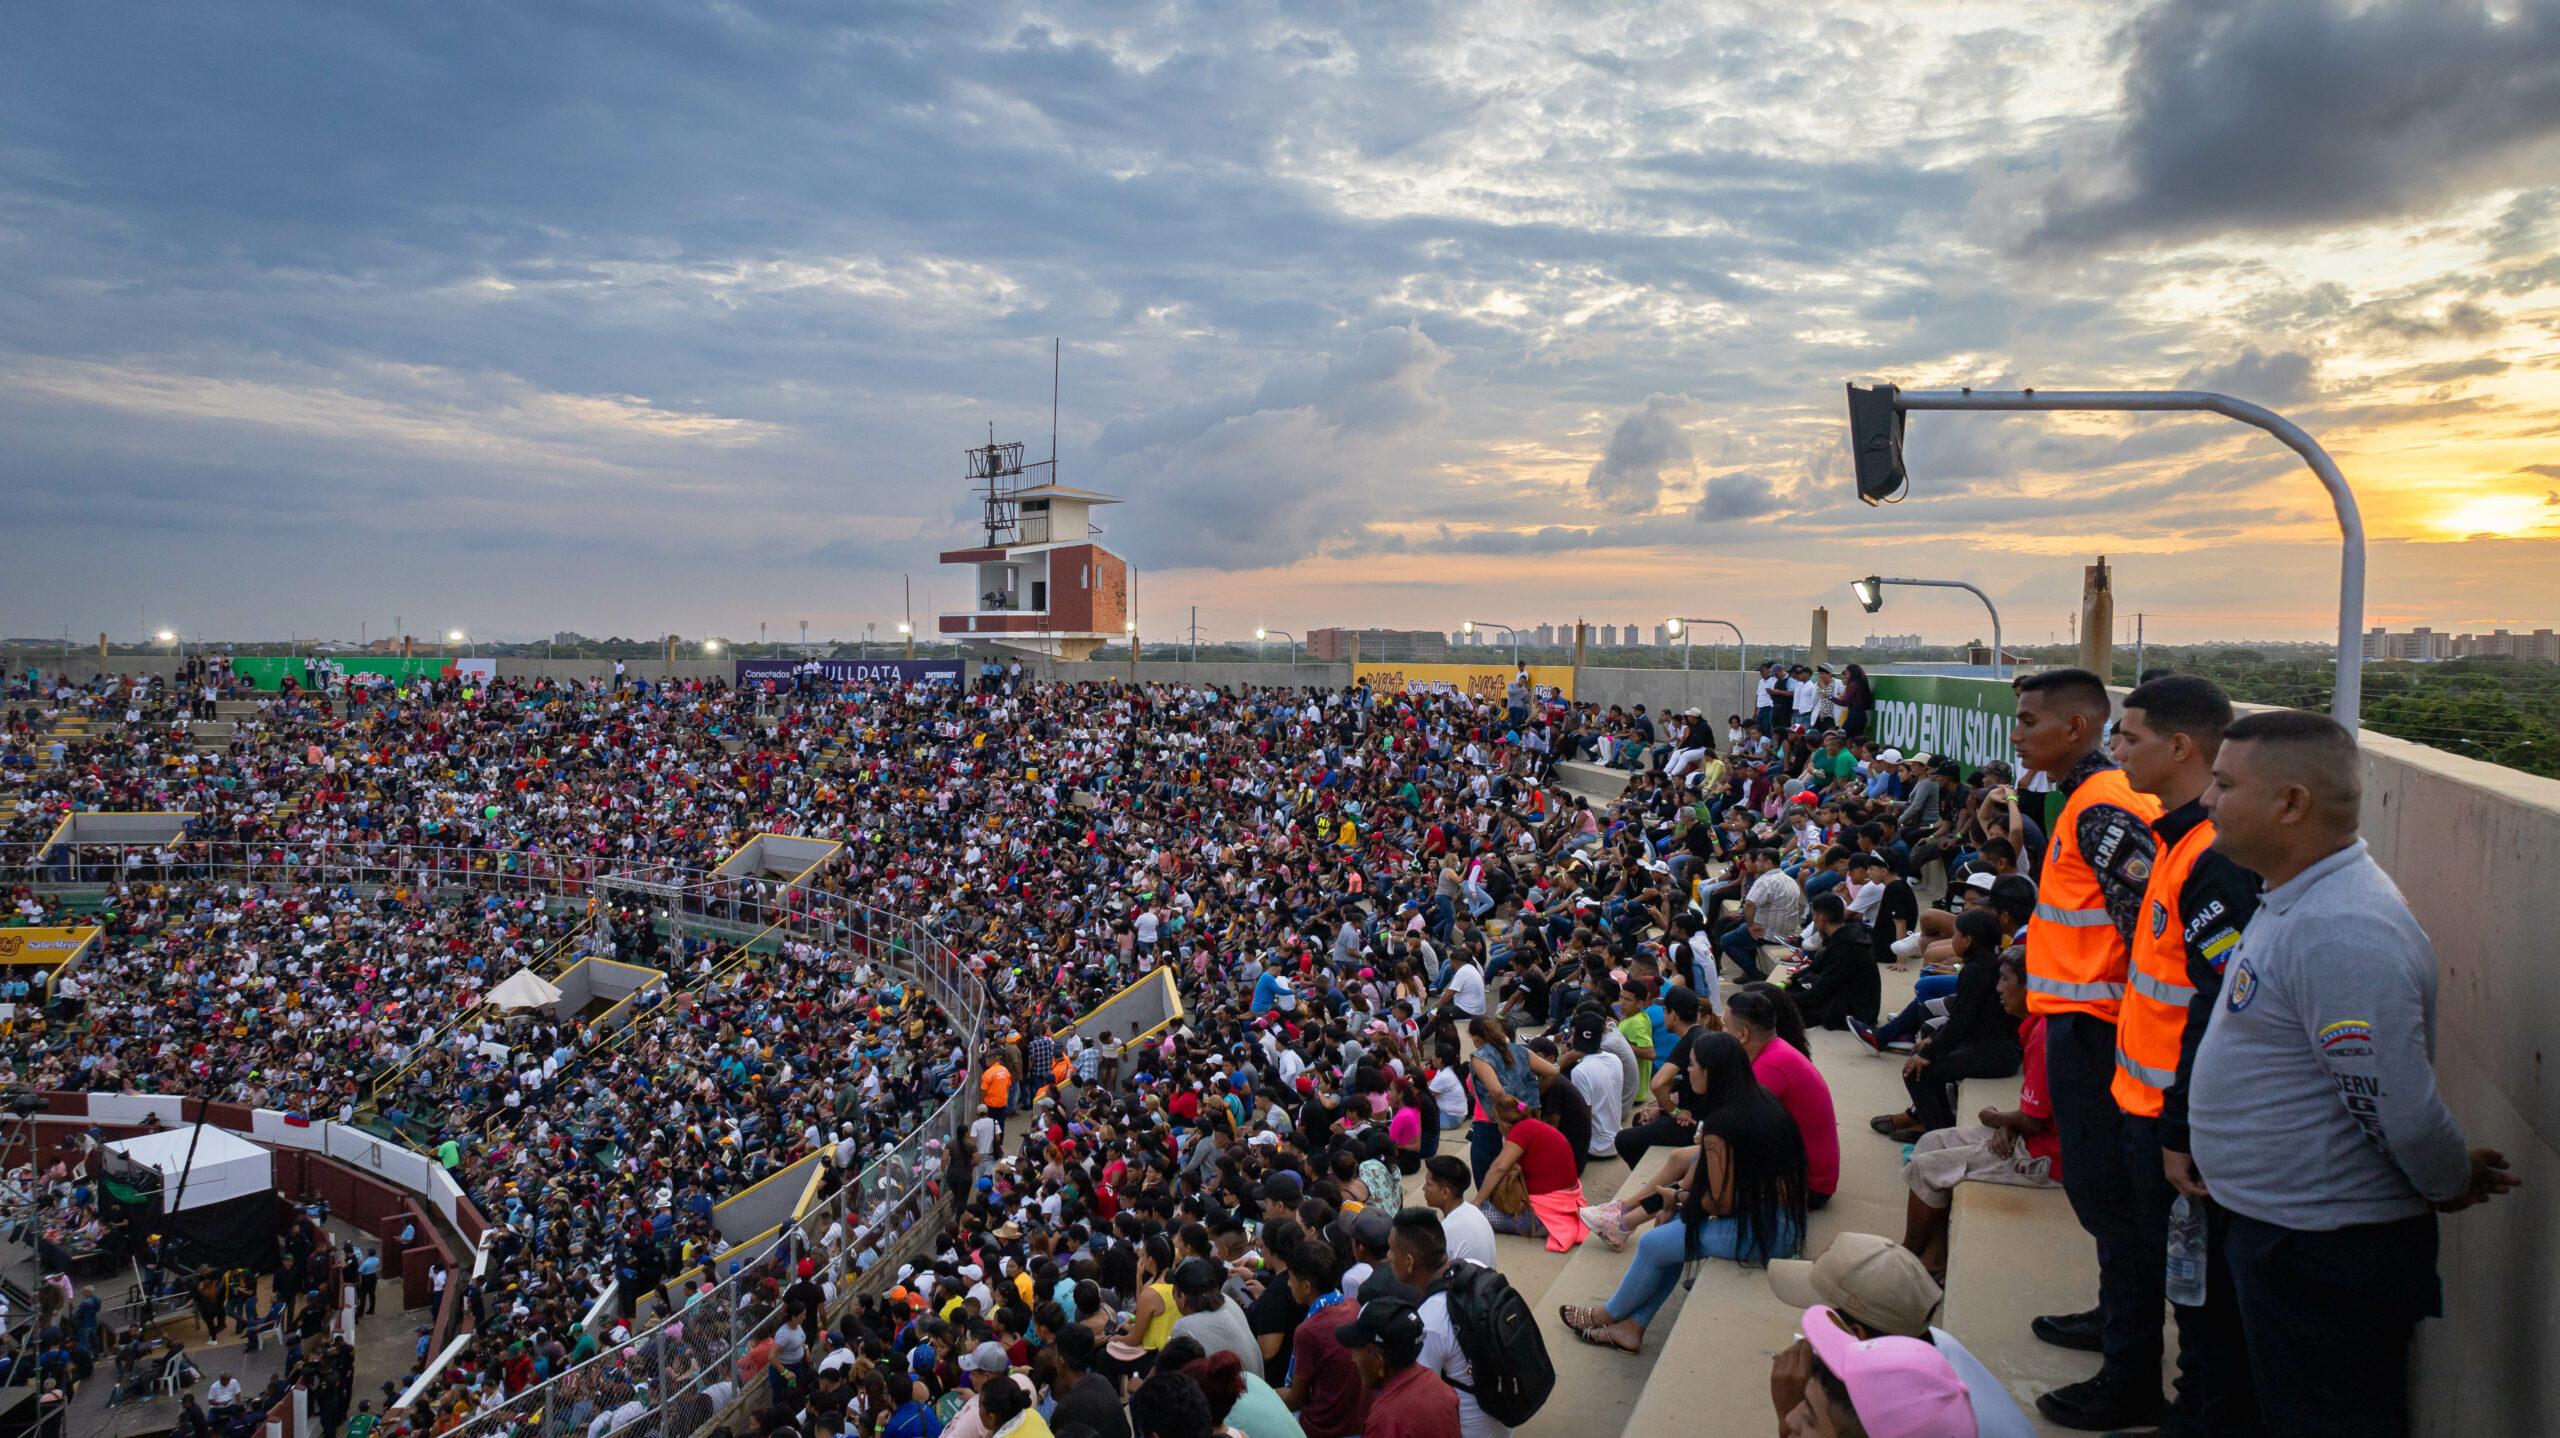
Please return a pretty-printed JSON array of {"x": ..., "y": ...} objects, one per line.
[{"x": 668, "y": 1377}]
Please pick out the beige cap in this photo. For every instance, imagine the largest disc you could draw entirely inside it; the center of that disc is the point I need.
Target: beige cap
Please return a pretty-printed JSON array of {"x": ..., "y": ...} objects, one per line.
[{"x": 1874, "y": 1280}]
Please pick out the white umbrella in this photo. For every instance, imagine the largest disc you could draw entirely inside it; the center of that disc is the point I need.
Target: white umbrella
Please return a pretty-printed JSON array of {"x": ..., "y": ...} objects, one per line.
[{"x": 524, "y": 990}]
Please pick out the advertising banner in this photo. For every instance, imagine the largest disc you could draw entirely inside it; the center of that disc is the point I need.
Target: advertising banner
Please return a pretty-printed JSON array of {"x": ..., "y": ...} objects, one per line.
[
  {"x": 270, "y": 673},
  {"x": 51, "y": 948},
  {"x": 847, "y": 671},
  {"x": 1481, "y": 681},
  {"x": 1967, "y": 720}
]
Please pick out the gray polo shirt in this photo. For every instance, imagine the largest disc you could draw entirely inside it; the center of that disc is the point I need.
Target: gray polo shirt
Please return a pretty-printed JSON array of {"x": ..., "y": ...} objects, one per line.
[{"x": 2314, "y": 1101}]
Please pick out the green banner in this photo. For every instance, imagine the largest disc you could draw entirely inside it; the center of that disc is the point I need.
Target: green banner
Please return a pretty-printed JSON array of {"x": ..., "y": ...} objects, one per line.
[
  {"x": 270, "y": 673},
  {"x": 1966, "y": 720}
]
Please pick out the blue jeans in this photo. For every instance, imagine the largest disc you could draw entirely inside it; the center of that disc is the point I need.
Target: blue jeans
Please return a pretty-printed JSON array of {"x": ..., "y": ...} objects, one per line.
[
  {"x": 1906, "y": 1024},
  {"x": 1663, "y": 1252}
]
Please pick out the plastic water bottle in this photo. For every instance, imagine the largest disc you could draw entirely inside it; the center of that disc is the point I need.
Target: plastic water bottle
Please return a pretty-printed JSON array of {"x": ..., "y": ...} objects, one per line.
[{"x": 2186, "y": 1253}]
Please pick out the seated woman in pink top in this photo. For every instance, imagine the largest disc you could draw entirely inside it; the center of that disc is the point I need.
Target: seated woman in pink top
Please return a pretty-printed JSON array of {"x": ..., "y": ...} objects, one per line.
[{"x": 1763, "y": 1018}]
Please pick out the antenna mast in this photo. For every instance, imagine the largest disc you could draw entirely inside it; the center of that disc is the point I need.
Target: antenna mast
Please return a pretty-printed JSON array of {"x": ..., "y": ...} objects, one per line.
[{"x": 998, "y": 470}]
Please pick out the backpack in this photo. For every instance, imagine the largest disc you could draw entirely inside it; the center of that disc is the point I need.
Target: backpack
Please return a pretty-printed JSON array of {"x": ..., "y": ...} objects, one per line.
[{"x": 1499, "y": 1336}]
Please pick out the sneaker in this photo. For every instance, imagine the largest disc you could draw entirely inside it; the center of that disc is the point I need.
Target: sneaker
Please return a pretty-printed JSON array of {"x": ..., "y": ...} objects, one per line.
[
  {"x": 1608, "y": 1221},
  {"x": 1908, "y": 946},
  {"x": 1865, "y": 1034},
  {"x": 2105, "y": 1403}
]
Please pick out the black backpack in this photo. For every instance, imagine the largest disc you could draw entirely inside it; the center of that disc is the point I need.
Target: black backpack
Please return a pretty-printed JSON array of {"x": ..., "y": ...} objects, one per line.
[{"x": 1500, "y": 1337}]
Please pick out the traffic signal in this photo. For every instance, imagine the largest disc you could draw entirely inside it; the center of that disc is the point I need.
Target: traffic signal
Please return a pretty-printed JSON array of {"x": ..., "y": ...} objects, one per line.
[{"x": 1875, "y": 439}]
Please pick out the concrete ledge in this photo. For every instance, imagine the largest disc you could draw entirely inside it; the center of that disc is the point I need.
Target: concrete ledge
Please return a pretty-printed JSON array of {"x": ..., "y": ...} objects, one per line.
[{"x": 1597, "y": 782}]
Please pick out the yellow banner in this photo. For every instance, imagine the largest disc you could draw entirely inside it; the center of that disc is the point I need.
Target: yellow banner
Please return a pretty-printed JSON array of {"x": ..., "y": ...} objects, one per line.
[
  {"x": 51, "y": 947},
  {"x": 1480, "y": 681}
]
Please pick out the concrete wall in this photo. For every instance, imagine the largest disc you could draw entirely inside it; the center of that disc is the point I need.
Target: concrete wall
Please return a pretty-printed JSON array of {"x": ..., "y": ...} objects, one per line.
[
  {"x": 1714, "y": 692},
  {"x": 2475, "y": 847}
]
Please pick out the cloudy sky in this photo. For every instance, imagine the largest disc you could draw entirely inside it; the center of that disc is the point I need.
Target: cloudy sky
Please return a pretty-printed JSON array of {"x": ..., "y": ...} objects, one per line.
[{"x": 638, "y": 317}]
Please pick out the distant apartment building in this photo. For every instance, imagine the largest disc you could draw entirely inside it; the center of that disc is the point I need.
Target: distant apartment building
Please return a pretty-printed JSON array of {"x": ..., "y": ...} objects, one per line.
[
  {"x": 1662, "y": 636},
  {"x": 1608, "y": 636},
  {"x": 1379, "y": 646},
  {"x": 2422, "y": 644},
  {"x": 1890, "y": 641}
]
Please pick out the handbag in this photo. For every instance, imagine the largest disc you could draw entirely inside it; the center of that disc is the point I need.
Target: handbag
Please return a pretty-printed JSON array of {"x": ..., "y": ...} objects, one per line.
[{"x": 1511, "y": 1195}]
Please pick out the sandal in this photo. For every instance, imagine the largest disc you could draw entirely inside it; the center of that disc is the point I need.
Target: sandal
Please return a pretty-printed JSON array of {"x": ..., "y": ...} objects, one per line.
[
  {"x": 1588, "y": 1321},
  {"x": 1592, "y": 1337}
]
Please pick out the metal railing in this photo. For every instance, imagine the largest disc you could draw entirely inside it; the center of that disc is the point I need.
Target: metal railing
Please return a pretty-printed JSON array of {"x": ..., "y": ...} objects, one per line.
[
  {"x": 708, "y": 1335},
  {"x": 667, "y": 1370}
]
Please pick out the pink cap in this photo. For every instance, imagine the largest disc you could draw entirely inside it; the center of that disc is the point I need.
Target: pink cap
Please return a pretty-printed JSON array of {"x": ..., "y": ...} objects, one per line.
[{"x": 1901, "y": 1387}]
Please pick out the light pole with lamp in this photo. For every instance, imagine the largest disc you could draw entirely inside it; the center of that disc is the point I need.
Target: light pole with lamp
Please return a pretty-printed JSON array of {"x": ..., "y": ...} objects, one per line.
[
  {"x": 1875, "y": 443},
  {"x": 1681, "y": 628},
  {"x": 1870, "y": 592},
  {"x": 1285, "y": 634},
  {"x": 908, "y": 631},
  {"x": 1470, "y": 627},
  {"x": 456, "y": 636}
]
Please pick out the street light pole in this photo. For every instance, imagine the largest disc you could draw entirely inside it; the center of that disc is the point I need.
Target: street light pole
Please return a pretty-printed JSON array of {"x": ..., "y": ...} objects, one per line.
[
  {"x": 1681, "y": 628},
  {"x": 2347, "y": 696},
  {"x": 1512, "y": 630},
  {"x": 1871, "y": 598},
  {"x": 1285, "y": 634}
]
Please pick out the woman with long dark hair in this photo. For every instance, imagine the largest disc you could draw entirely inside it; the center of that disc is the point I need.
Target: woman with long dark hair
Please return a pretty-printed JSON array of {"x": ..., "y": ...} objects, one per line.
[
  {"x": 1857, "y": 701},
  {"x": 1739, "y": 1194}
]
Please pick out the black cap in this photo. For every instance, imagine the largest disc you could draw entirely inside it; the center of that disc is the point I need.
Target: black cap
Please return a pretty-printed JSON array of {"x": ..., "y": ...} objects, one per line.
[
  {"x": 1282, "y": 1187},
  {"x": 1391, "y": 1324},
  {"x": 1586, "y": 1031},
  {"x": 1197, "y": 1275},
  {"x": 1373, "y": 1228},
  {"x": 2014, "y": 891}
]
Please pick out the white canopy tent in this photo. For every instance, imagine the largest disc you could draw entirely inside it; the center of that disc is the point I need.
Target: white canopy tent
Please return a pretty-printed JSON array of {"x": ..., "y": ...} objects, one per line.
[
  {"x": 225, "y": 1166},
  {"x": 524, "y": 989}
]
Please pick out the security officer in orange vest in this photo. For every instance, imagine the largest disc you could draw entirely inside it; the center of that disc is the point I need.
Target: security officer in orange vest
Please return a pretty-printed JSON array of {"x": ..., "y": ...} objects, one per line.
[
  {"x": 2192, "y": 912},
  {"x": 2089, "y": 888}
]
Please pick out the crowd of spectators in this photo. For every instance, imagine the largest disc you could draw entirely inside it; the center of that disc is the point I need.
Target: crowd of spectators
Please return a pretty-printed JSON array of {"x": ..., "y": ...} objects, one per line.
[{"x": 1367, "y": 900}]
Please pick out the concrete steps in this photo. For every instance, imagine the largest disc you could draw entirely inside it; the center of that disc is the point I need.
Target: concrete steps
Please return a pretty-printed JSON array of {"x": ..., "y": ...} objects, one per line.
[{"x": 1597, "y": 1390}]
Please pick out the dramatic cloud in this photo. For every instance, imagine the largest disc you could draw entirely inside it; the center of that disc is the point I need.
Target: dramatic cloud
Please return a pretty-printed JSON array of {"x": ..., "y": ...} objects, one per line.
[
  {"x": 1266, "y": 481},
  {"x": 2281, "y": 114},
  {"x": 1737, "y": 496},
  {"x": 1629, "y": 476},
  {"x": 681, "y": 316},
  {"x": 2281, "y": 378}
]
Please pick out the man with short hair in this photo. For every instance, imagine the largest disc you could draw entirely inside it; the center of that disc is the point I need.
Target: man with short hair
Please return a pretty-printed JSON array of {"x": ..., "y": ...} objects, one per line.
[
  {"x": 1420, "y": 1253},
  {"x": 1772, "y": 912},
  {"x": 2313, "y": 1110},
  {"x": 2088, "y": 898},
  {"x": 1465, "y": 1232},
  {"x": 1325, "y": 1388},
  {"x": 2194, "y": 907}
]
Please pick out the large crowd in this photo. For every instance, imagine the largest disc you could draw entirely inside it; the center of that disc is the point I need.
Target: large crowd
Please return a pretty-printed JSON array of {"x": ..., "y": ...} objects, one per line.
[{"x": 1405, "y": 953}]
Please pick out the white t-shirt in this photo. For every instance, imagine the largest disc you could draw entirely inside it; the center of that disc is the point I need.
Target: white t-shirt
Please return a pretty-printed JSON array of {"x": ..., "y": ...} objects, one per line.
[
  {"x": 1602, "y": 1083},
  {"x": 1466, "y": 990},
  {"x": 1450, "y": 1094},
  {"x": 1441, "y": 1354},
  {"x": 1469, "y": 1235}
]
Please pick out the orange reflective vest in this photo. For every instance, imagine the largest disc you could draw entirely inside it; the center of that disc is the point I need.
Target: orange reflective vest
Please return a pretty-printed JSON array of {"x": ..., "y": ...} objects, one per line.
[
  {"x": 2152, "y": 1025},
  {"x": 2075, "y": 958}
]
